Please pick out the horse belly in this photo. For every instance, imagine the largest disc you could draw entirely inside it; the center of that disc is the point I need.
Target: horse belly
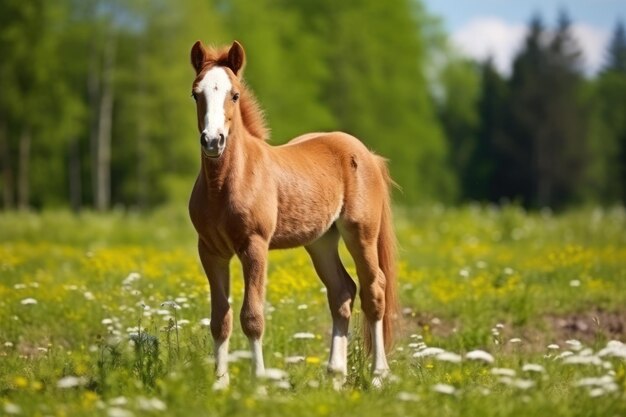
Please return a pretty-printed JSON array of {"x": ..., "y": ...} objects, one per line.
[{"x": 303, "y": 226}]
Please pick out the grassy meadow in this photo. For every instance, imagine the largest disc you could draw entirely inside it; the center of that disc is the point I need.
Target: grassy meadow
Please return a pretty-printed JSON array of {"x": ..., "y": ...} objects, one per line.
[{"x": 504, "y": 312}]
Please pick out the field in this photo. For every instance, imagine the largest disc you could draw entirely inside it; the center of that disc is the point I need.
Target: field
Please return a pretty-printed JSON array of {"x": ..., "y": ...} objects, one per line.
[{"x": 106, "y": 315}]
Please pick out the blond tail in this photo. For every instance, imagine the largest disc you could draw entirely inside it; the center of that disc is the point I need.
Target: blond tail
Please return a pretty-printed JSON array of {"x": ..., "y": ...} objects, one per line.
[{"x": 387, "y": 264}]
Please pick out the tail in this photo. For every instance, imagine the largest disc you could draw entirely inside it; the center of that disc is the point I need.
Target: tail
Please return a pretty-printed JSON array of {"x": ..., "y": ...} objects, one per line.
[{"x": 387, "y": 264}]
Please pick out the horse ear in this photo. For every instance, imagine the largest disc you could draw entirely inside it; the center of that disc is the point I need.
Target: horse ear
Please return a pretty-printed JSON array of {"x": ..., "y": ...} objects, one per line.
[
  {"x": 198, "y": 55},
  {"x": 236, "y": 57}
]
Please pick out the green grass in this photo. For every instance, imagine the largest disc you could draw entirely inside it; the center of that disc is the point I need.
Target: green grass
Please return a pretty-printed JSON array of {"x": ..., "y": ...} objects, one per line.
[{"x": 75, "y": 290}]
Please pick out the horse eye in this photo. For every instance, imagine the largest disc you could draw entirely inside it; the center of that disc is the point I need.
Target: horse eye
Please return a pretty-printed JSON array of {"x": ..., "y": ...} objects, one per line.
[{"x": 235, "y": 96}]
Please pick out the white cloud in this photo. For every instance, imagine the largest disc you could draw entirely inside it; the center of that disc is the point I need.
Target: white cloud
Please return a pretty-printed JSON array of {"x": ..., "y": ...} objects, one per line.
[
  {"x": 488, "y": 36},
  {"x": 593, "y": 41}
]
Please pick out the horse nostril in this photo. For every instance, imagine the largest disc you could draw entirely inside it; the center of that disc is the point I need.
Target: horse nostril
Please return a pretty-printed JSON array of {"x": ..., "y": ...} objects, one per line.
[
  {"x": 222, "y": 139},
  {"x": 203, "y": 139}
]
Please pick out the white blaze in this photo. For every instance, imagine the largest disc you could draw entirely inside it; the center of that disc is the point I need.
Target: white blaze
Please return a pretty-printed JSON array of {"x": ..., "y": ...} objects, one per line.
[{"x": 215, "y": 86}]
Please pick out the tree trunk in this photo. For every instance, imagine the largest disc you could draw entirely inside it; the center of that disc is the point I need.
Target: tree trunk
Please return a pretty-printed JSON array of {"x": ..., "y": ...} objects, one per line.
[
  {"x": 7, "y": 171},
  {"x": 142, "y": 138},
  {"x": 23, "y": 180},
  {"x": 76, "y": 185},
  {"x": 93, "y": 92},
  {"x": 105, "y": 122}
]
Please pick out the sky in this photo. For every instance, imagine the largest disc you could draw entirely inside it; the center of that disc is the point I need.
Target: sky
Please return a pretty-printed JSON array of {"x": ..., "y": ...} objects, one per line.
[{"x": 480, "y": 28}]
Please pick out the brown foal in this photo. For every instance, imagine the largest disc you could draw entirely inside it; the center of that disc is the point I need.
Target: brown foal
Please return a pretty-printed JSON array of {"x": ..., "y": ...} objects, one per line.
[{"x": 251, "y": 197}]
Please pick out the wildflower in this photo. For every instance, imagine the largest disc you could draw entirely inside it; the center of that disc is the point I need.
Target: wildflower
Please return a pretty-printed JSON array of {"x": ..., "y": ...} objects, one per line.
[
  {"x": 574, "y": 283},
  {"x": 444, "y": 389},
  {"x": 11, "y": 408},
  {"x": 448, "y": 357},
  {"x": 582, "y": 360},
  {"x": 181, "y": 300},
  {"x": 429, "y": 351},
  {"x": 479, "y": 355},
  {"x": 8, "y": 344},
  {"x": 294, "y": 359},
  {"x": 205, "y": 322},
  {"x": 274, "y": 374},
  {"x": 304, "y": 335},
  {"x": 553, "y": 346},
  {"x": 614, "y": 348},
  {"x": 119, "y": 412},
  {"x": 523, "y": 384},
  {"x": 28, "y": 301},
  {"x": 106, "y": 322},
  {"x": 170, "y": 304},
  {"x": 503, "y": 372},
  {"x": 407, "y": 396},
  {"x": 89, "y": 296},
  {"x": 574, "y": 344},
  {"x": 515, "y": 340},
  {"x": 71, "y": 382},
  {"x": 533, "y": 367},
  {"x": 132, "y": 277},
  {"x": 302, "y": 307},
  {"x": 118, "y": 401},
  {"x": 150, "y": 404},
  {"x": 313, "y": 360},
  {"x": 564, "y": 354}
]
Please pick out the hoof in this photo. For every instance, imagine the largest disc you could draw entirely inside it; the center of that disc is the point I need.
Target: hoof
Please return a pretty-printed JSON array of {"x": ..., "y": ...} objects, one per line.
[
  {"x": 379, "y": 377},
  {"x": 338, "y": 377},
  {"x": 221, "y": 383}
]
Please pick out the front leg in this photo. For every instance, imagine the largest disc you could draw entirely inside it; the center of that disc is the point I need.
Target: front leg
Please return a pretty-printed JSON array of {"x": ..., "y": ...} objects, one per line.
[
  {"x": 218, "y": 273},
  {"x": 253, "y": 258}
]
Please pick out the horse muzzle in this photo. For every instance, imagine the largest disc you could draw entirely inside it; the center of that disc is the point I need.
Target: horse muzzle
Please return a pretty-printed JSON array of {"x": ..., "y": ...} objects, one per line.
[{"x": 213, "y": 147}]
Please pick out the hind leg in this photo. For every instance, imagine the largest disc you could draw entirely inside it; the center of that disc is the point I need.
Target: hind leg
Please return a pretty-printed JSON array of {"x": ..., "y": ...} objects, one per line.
[
  {"x": 361, "y": 241},
  {"x": 341, "y": 291}
]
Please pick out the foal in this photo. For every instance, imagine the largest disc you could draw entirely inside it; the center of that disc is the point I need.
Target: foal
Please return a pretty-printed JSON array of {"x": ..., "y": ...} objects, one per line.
[{"x": 251, "y": 197}]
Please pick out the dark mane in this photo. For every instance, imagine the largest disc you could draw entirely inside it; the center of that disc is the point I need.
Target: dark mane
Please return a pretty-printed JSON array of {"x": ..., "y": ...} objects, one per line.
[{"x": 252, "y": 115}]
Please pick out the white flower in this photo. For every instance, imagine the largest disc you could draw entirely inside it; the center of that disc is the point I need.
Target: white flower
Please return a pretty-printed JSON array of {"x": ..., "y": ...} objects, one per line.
[
  {"x": 582, "y": 360},
  {"x": 564, "y": 354},
  {"x": 170, "y": 304},
  {"x": 600, "y": 381},
  {"x": 304, "y": 335},
  {"x": 71, "y": 382},
  {"x": 11, "y": 408},
  {"x": 119, "y": 412},
  {"x": 205, "y": 322},
  {"x": 407, "y": 396},
  {"x": 151, "y": 404},
  {"x": 302, "y": 307},
  {"x": 429, "y": 351},
  {"x": 274, "y": 374},
  {"x": 574, "y": 344},
  {"x": 8, "y": 344},
  {"x": 448, "y": 357},
  {"x": 106, "y": 322},
  {"x": 444, "y": 389},
  {"x": 615, "y": 349},
  {"x": 89, "y": 295},
  {"x": 503, "y": 372},
  {"x": 517, "y": 383},
  {"x": 479, "y": 355},
  {"x": 132, "y": 277},
  {"x": 533, "y": 367},
  {"x": 118, "y": 401},
  {"x": 181, "y": 300},
  {"x": 553, "y": 346},
  {"x": 574, "y": 283},
  {"x": 515, "y": 340},
  {"x": 28, "y": 301},
  {"x": 294, "y": 359}
]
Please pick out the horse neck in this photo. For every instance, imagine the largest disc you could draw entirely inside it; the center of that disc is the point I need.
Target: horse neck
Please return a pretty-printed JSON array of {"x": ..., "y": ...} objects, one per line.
[{"x": 228, "y": 169}]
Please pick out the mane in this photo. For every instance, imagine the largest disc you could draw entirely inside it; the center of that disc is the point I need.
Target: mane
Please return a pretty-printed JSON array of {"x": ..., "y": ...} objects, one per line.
[{"x": 252, "y": 115}]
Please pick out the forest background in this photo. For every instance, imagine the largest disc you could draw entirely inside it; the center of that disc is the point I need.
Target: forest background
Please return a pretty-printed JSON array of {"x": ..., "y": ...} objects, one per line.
[{"x": 96, "y": 113}]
